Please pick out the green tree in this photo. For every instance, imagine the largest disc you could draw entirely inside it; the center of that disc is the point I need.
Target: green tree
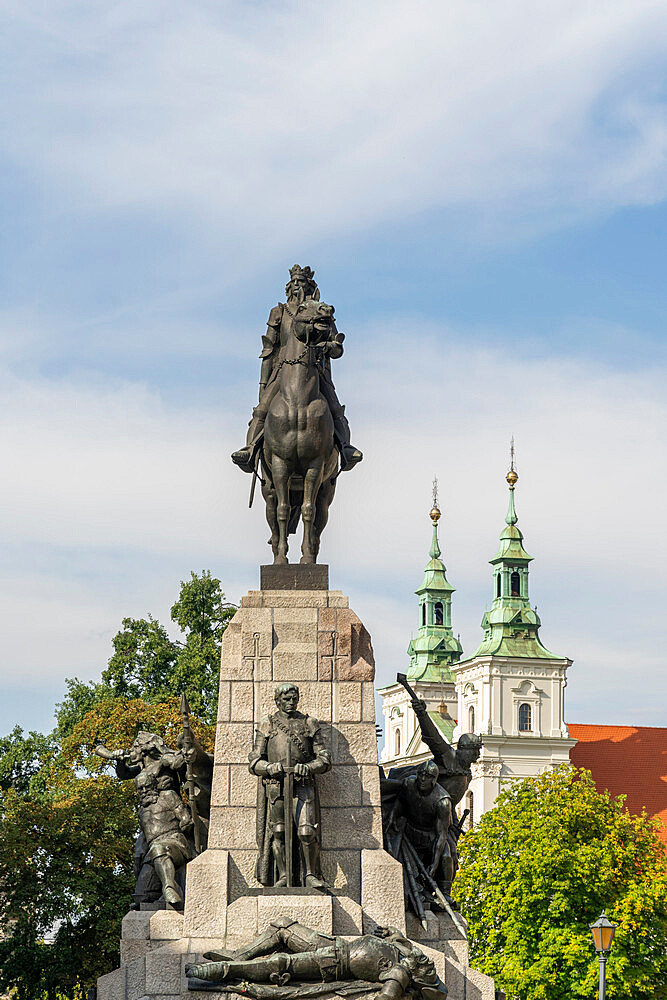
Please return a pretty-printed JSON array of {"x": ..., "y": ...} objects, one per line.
[
  {"x": 67, "y": 833},
  {"x": 22, "y": 759},
  {"x": 67, "y": 829},
  {"x": 143, "y": 661},
  {"x": 65, "y": 871},
  {"x": 540, "y": 867},
  {"x": 202, "y": 613},
  {"x": 147, "y": 664}
]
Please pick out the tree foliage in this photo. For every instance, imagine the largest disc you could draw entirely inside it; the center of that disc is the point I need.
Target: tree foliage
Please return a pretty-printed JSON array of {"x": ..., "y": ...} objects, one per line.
[
  {"x": 540, "y": 867},
  {"x": 65, "y": 867},
  {"x": 22, "y": 758},
  {"x": 148, "y": 664},
  {"x": 115, "y": 722},
  {"x": 67, "y": 828}
]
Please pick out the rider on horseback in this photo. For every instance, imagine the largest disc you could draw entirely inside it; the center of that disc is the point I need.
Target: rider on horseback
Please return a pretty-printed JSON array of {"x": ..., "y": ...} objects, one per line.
[{"x": 300, "y": 288}]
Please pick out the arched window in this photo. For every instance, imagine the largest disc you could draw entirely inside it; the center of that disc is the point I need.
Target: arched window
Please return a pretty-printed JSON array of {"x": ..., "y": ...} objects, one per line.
[
  {"x": 397, "y": 742},
  {"x": 499, "y": 584},
  {"x": 471, "y": 719},
  {"x": 515, "y": 584},
  {"x": 470, "y": 805},
  {"x": 438, "y": 612},
  {"x": 525, "y": 718},
  {"x": 423, "y": 614}
]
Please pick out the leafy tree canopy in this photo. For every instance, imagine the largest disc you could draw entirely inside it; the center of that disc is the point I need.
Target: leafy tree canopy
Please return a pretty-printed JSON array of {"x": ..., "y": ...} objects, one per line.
[
  {"x": 540, "y": 867},
  {"x": 147, "y": 664},
  {"x": 22, "y": 758},
  {"x": 67, "y": 829}
]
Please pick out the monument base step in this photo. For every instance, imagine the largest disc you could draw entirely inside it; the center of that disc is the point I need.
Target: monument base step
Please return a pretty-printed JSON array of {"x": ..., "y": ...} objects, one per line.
[{"x": 294, "y": 576}]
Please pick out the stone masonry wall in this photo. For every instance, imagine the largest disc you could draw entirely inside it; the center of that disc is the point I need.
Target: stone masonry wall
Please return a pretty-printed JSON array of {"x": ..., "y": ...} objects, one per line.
[{"x": 313, "y": 639}]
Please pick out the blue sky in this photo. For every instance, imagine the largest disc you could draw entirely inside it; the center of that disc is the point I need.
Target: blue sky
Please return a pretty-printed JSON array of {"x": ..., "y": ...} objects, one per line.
[{"x": 481, "y": 192}]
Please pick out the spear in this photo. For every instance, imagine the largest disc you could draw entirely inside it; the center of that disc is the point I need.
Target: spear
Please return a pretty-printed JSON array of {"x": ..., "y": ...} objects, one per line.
[
  {"x": 190, "y": 784},
  {"x": 433, "y": 886},
  {"x": 416, "y": 895},
  {"x": 407, "y": 889}
]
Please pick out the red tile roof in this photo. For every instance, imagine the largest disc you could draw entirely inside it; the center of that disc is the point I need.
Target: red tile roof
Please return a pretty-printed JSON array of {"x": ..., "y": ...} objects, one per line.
[{"x": 626, "y": 760}]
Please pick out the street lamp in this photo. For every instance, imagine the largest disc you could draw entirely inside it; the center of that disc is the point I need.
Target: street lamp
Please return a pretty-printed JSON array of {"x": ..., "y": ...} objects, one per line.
[{"x": 603, "y": 934}]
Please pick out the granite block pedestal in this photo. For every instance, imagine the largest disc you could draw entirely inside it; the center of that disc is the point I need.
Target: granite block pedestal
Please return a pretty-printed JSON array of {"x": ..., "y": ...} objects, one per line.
[{"x": 310, "y": 637}]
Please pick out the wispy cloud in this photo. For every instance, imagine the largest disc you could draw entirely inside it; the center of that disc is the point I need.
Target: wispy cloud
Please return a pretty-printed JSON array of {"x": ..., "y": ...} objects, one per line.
[
  {"x": 262, "y": 120},
  {"x": 160, "y": 157},
  {"x": 109, "y": 474}
]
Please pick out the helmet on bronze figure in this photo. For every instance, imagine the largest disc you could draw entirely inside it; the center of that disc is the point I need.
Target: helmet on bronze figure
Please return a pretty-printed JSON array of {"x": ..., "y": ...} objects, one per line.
[{"x": 469, "y": 746}]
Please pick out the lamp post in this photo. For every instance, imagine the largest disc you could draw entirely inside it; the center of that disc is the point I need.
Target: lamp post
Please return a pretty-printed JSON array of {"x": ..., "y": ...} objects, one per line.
[{"x": 603, "y": 934}]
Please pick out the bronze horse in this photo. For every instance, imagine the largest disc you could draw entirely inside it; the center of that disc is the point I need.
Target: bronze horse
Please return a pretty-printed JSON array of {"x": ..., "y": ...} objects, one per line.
[{"x": 298, "y": 455}]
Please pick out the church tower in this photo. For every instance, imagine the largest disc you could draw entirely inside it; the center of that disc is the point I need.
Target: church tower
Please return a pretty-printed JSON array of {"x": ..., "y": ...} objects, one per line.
[
  {"x": 432, "y": 651},
  {"x": 512, "y": 690}
]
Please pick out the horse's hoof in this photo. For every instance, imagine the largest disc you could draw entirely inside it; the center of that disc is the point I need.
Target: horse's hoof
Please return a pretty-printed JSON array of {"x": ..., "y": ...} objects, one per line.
[
  {"x": 307, "y": 560},
  {"x": 280, "y": 561}
]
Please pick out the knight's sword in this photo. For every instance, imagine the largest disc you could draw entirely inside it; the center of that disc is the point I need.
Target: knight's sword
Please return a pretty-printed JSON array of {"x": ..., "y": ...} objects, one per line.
[
  {"x": 255, "y": 477},
  {"x": 288, "y": 788}
]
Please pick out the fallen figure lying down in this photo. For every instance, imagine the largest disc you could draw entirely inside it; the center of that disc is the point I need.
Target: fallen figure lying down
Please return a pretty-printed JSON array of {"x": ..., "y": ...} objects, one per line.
[{"x": 385, "y": 963}]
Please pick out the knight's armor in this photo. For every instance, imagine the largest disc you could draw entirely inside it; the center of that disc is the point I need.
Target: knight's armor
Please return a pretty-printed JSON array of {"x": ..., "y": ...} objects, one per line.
[{"x": 296, "y": 738}]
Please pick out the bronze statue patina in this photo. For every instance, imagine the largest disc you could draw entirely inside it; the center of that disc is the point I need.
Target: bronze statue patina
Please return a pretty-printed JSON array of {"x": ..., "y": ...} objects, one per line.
[
  {"x": 451, "y": 767},
  {"x": 416, "y": 835},
  {"x": 385, "y": 963},
  {"x": 168, "y": 838},
  {"x": 287, "y": 755},
  {"x": 298, "y": 429},
  {"x": 454, "y": 763}
]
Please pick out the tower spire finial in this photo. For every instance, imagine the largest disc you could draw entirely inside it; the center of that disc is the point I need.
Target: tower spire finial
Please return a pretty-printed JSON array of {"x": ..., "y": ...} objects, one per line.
[
  {"x": 512, "y": 475},
  {"x": 512, "y": 478},
  {"x": 434, "y": 649},
  {"x": 434, "y": 512}
]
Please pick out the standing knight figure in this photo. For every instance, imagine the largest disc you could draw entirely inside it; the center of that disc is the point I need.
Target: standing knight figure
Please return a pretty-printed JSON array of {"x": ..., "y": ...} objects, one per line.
[
  {"x": 287, "y": 755},
  {"x": 301, "y": 288}
]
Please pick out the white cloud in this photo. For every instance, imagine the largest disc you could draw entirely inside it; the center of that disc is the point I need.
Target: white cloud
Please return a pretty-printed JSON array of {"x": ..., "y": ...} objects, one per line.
[
  {"x": 263, "y": 120},
  {"x": 113, "y": 496}
]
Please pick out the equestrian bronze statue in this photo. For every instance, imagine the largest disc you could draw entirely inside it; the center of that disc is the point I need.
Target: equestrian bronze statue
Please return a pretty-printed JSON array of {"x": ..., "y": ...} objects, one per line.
[{"x": 298, "y": 440}]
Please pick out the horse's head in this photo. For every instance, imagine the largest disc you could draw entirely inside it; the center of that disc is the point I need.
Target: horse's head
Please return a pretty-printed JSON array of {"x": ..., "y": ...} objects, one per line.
[{"x": 313, "y": 322}]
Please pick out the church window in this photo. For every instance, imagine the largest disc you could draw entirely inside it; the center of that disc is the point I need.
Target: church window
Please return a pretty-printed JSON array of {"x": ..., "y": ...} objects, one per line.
[
  {"x": 438, "y": 613},
  {"x": 397, "y": 742},
  {"x": 515, "y": 585},
  {"x": 525, "y": 718},
  {"x": 423, "y": 614},
  {"x": 471, "y": 719},
  {"x": 499, "y": 584}
]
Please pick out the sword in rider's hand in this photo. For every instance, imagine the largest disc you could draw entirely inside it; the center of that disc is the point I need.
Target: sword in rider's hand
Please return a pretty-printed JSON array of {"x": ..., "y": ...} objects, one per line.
[{"x": 255, "y": 477}]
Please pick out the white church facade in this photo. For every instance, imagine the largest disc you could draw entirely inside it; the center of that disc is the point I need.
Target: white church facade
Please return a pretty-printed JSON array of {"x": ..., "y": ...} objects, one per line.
[{"x": 511, "y": 691}]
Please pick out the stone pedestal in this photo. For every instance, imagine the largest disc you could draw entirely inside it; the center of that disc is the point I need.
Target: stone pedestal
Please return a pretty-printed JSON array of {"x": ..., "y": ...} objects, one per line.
[{"x": 310, "y": 637}]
